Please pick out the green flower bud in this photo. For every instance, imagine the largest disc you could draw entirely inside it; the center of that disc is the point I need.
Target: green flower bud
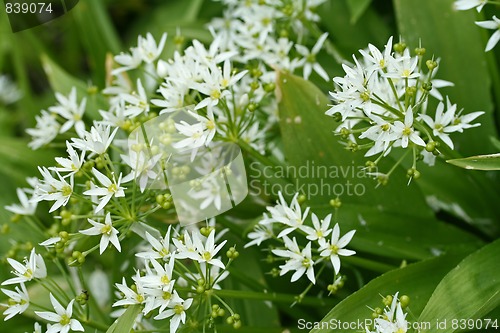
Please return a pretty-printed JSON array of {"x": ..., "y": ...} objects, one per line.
[
  {"x": 387, "y": 300},
  {"x": 337, "y": 117},
  {"x": 232, "y": 253},
  {"x": 335, "y": 203},
  {"x": 269, "y": 87},
  {"x": 411, "y": 91},
  {"x": 420, "y": 51},
  {"x": 301, "y": 199},
  {"x": 400, "y": 47},
  {"x": 404, "y": 300},
  {"x": 431, "y": 64},
  {"x": 430, "y": 146},
  {"x": 252, "y": 107},
  {"x": 427, "y": 86}
]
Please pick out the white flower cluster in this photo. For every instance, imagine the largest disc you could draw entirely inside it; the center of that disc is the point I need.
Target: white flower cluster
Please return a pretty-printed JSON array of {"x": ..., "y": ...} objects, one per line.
[
  {"x": 392, "y": 318},
  {"x": 34, "y": 269},
  {"x": 322, "y": 242},
  {"x": 493, "y": 24},
  {"x": 382, "y": 103},
  {"x": 154, "y": 286},
  {"x": 68, "y": 112}
]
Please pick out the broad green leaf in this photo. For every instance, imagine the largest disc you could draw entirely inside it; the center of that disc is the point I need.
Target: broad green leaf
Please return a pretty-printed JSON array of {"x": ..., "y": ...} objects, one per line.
[
  {"x": 476, "y": 282},
  {"x": 398, "y": 235},
  {"x": 126, "y": 321},
  {"x": 357, "y": 8},
  {"x": 63, "y": 82},
  {"x": 469, "y": 196},
  {"x": 398, "y": 214},
  {"x": 444, "y": 31},
  {"x": 481, "y": 162},
  {"x": 417, "y": 281}
]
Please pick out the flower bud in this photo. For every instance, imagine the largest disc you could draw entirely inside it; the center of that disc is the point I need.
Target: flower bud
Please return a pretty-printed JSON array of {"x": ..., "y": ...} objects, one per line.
[{"x": 431, "y": 64}]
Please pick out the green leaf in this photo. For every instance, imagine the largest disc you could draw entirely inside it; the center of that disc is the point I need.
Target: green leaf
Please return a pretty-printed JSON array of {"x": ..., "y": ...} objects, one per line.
[
  {"x": 444, "y": 31},
  {"x": 97, "y": 34},
  {"x": 477, "y": 282},
  {"x": 357, "y": 8},
  {"x": 126, "y": 321},
  {"x": 415, "y": 280},
  {"x": 481, "y": 162},
  {"x": 395, "y": 213}
]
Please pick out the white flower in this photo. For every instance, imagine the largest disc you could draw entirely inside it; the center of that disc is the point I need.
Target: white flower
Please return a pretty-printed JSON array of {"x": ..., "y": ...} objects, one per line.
[
  {"x": 320, "y": 230},
  {"x": 215, "y": 83},
  {"x": 108, "y": 190},
  {"x": 379, "y": 60},
  {"x": 177, "y": 311},
  {"x": 393, "y": 320},
  {"x": 160, "y": 249},
  {"x": 494, "y": 25},
  {"x": 69, "y": 109},
  {"x": 108, "y": 232},
  {"x": 463, "y": 121},
  {"x": 193, "y": 248},
  {"x": 97, "y": 140},
  {"x": 441, "y": 124},
  {"x": 73, "y": 164},
  {"x": 26, "y": 206},
  {"x": 130, "y": 296},
  {"x": 200, "y": 133},
  {"x": 299, "y": 261},
  {"x": 291, "y": 216},
  {"x": 160, "y": 276},
  {"x": 34, "y": 267},
  {"x": 405, "y": 131},
  {"x": 142, "y": 167},
  {"x": 61, "y": 318},
  {"x": 45, "y": 131},
  {"x": 261, "y": 233},
  {"x": 210, "y": 56},
  {"x": 148, "y": 48},
  {"x": 210, "y": 192},
  {"x": 128, "y": 61},
  {"x": 52, "y": 189},
  {"x": 403, "y": 67},
  {"x": 468, "y": 4},
  {"x": 137, "y": 102},
  {"x": 382, "y": 133},
  {"x": 309, "y": 61},
  {"x": 186, "y": 248},
  {"x": 19, "y": 301},
  {"x": 336, "y": 247}
]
